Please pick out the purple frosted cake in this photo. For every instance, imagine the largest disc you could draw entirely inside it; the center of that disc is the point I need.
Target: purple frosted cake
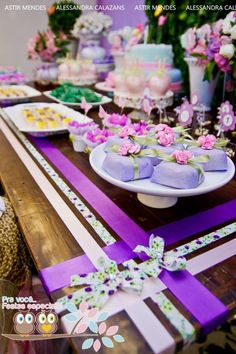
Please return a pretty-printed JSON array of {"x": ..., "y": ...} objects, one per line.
[
  {"x": 123, "y": 169},
  {"x": 179, "y": 172},
  {"x": 177, "y": 176},
  {"x": 218, "y": 158}
]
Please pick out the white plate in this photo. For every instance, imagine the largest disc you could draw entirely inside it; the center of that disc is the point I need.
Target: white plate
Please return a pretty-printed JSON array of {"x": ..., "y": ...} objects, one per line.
[
  {"x": 16, "y": 116},
  {"x": 104, "y": 100},
  {"x": 103, "y": 87},
  {"x": 149, "y": 193},
  {"x": 31, "y": 92}
]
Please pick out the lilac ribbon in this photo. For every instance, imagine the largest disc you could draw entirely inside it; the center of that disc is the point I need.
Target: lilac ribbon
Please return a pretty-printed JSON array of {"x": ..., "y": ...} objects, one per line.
[{"x": 132, "y": 235}]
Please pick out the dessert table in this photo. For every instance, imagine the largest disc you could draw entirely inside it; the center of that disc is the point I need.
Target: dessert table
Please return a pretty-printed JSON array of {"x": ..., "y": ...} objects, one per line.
[{"x": 52, "y": 216}]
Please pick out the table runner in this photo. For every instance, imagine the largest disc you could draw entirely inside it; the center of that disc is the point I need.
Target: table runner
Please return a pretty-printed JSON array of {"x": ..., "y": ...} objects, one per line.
[{"x": 107, "y": 209}]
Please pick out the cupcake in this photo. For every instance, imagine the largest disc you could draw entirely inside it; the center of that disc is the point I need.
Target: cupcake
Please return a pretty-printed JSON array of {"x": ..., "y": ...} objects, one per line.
[
  {"x": 77, "y": 130},
  {"x": 114, "y": 122},
  {"x": 96, "y": 136}
]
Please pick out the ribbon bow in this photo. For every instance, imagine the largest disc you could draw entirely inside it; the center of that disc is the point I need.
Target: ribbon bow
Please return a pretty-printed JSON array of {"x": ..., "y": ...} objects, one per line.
[
  {"x": 108, "y": 280},
  {"x": 158, "y": 260}
]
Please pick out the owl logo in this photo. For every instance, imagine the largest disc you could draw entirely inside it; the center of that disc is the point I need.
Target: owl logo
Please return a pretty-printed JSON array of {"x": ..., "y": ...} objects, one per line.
[
  {"x": 46, "y": 323},
  {"x": 24, "y": 323}
]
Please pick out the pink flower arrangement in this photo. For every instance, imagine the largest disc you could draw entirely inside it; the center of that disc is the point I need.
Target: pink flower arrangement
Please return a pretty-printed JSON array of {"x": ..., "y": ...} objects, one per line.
[
  {"x": 207, "y": 142},
  {"x": 163, "y": 128},
  {"x": 140, "y": 128},
  {"x": 165, "y": 139},
  {"x": 213, "y": 45},
  {"x": 182, "y": 157},
  {"x": 97, "y": 136},
  {"x": 116, "y": 120},
  {"x": 164, "y": 134},
  {"x": 77, "y": 128},
  {"x": 46, "y": 46},
  {"x": 129, "y": 148}
]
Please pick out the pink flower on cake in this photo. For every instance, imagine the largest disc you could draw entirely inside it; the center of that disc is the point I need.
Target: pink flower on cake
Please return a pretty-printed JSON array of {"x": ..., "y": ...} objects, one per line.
[
  {"x": 128, "y": 148},
  {"x": 207, "y": 142},
  {"x": 126, "y": 131},
  {"x": 182, "y": 157},
  {"x": 165, "y": 139},
  {"x": 163, "y": 127}
]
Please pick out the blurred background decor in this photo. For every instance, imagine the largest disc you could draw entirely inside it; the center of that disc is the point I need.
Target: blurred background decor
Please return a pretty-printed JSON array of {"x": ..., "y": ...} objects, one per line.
[
  {"x": 90, "y": 28},
  {"x": 48, "y": 47},
  {"x": 166, "y": 26},
  {"x": 63, "y": 21}
]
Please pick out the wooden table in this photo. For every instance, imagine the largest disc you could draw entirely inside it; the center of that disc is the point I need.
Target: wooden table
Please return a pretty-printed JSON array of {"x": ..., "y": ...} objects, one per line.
[{"x": 50, "y": 242}]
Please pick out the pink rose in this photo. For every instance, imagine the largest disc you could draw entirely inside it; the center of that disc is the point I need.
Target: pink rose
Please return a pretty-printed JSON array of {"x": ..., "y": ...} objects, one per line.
[
  {"x": 128, "y": 148},
  {"x": 126, "y": 131},
  {"x": 182, "y": 157},
  {"x": 163, "y": 127},
  {"x": 124, "y": 148},
  {"x": 134, "y": 149},
  {"x": 207, "y": 142},
  {"x": 165, "y": 139}
]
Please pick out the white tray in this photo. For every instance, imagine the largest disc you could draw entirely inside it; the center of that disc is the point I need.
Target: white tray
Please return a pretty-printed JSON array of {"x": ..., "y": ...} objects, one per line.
[
  {"x": 15, "y": 115},
  {"x": 104, "y": 100},
  {"x": 31, "y": 92},
  {"x": 156, "y": 195}
]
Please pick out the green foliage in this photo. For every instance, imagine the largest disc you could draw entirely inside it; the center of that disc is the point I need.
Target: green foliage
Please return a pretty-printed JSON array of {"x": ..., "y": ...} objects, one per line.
[
  {"x": 178, "y": 21},
  {"x": 62, "y": 20}
]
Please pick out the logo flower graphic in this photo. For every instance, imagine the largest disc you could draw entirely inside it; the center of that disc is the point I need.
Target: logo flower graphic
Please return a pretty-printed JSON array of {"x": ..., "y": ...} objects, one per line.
[{"x": 90, "y": 318}]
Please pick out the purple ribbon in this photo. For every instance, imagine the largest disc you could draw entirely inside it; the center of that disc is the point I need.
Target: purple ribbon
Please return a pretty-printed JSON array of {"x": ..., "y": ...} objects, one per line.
[
  {"x": 120, "y": 252},
  {"x": 132, "y": 235},
  {"x": 209, "y": 311}
]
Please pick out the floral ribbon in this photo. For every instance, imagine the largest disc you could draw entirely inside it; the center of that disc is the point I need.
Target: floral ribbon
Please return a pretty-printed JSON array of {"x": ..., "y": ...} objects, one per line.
[
  {"x": 108, "y": 279},
  {"x": 158, "y": 260}
]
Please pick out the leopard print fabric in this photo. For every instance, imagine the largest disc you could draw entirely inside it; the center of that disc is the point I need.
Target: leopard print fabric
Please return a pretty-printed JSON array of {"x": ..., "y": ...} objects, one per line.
[{"x": 14, "y": 257}]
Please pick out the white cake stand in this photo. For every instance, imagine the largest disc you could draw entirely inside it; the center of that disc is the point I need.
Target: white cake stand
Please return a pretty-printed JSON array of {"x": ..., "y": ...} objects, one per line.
[{"x": 155, "y": 195}]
